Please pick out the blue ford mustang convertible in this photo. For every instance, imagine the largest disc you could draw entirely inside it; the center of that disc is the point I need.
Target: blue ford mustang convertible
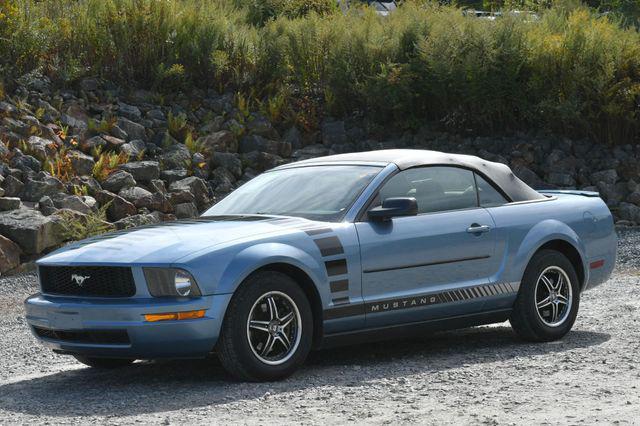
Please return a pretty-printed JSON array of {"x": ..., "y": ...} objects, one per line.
[{"x": 329, "y": 251}]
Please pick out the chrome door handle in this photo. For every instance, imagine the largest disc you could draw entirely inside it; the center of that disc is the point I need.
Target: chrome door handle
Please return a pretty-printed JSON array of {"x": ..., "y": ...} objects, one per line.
[{"x": 478, "y": 229}]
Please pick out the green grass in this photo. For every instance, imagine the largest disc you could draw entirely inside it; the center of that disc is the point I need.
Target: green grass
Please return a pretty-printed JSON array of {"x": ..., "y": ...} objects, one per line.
[{"x": 572, "y": 71}]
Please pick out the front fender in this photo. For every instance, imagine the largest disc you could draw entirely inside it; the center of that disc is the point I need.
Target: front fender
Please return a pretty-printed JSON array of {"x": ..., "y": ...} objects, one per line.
[
  {"x": 254, "y": 257},
  {"x": 542, "y": 233}
]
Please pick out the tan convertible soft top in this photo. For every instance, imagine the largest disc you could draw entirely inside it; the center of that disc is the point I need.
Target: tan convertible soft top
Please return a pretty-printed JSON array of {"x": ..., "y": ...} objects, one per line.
[{"x": 498, "y": 173}]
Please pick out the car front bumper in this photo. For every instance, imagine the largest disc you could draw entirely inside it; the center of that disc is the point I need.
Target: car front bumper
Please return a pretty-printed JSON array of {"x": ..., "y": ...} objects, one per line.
[{"x": 117, "y": 328}]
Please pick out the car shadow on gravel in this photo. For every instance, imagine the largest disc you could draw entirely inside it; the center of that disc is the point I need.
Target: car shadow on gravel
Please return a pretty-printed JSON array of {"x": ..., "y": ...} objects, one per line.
[{"x": 155, "y": 387}]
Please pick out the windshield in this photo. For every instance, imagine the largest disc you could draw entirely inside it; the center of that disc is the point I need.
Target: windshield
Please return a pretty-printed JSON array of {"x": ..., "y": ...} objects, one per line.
[{"x": 316, "y": 192}]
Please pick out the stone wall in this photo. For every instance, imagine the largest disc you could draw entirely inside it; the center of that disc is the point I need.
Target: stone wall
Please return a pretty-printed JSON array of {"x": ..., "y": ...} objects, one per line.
[{"x": 51, "y": 140}]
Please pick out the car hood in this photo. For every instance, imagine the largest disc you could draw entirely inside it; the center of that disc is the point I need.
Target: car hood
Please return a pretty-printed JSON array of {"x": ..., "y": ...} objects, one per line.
[{"x": 166, "y": 242}]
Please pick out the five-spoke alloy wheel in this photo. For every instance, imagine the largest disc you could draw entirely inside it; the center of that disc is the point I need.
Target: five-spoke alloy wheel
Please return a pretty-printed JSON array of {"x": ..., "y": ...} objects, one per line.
[
  {"x": 268, "y": 328},
  {"x": 548, "y": 299},
  {"x": 553, "y": 296},
  {"x": 274, "y": 328}
]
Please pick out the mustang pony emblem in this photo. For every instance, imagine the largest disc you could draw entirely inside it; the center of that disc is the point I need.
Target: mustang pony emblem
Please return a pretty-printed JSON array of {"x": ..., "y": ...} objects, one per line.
[{"x": 79, "y": 279}]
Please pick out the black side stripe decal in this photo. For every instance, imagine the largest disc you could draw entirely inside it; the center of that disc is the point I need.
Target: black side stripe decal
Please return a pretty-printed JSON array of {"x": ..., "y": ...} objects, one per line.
[
  {"x": 340, "y": 300},
  {"x": 340, "y": 285},
  {"x": 336, "y": 267},
  {"x": 329, "y": 246},
  {"x": 344, "y": 311},
  {"x": 418, "y": 265},
  {"x": 317, "y": 231},
  {"x": 450, "y": 296}
]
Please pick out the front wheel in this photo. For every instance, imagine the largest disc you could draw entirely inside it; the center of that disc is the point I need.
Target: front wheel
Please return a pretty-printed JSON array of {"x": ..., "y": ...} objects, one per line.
[
  {"x": 267, "y": 331},
  {"x": 547, "y": 303}
]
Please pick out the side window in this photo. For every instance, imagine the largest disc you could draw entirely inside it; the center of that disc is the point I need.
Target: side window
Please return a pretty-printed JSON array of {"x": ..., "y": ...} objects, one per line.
[
  {"x": 434, "y": 188},
  {"x": 488, "y": 195}
]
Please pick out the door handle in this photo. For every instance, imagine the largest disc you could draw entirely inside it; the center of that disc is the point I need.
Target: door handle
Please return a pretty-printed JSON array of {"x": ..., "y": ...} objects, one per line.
[{"x": 478, "y": 229}]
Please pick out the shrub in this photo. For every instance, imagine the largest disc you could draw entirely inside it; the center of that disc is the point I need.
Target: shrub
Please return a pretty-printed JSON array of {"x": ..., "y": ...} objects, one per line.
[
  {"x": 570, "y": 70},
  {"x": 60, "y": 165},
  {"x": 76, "y": 227},
  {"x": 108, "y": 162},
  {"x": 261, "y": 11}
]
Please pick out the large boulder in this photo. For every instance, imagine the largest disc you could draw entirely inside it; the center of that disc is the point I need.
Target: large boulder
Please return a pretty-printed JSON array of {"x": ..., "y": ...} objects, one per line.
[
  {"x": 195, "y": 185},
  {"x": 84, "y": 182},
  {"x": 16, "y": 126},
  {"x": 9, "y": 203},
  {"x": 607, "y": 176},
  {"x": 82, "y": 164},
  {"x": 73, "y": 122},
  {"x": 132, "y": 129},
  {"x": 134, "y": 148},
  {"x": 633, "y": 198},
  {"x": 113, "y": 142},
  {"x": 293, "y": 137},
  {"x": 130, "y": 111},
  {"x": 70, "y": 202},
  {"x": 561, "y": 179},
  {"x": 612, "y": 194},
  {"x": 139, "y": 197},
  {"x": 186, "y": 211},
  {"x": 26, "y": 163},
  {"x": 176, "y": 157},
  {"x": 136, "y": 220},
  {"x": 528, "y": 176},
  {"x": 333, "y": 132},
  {"x": 119, "y": 208},
  {"x": 258, "y": 143},
  {"x": 12, "y": 186},
  {"x": 310, "y": 151},
  {"x": 222, "y": 141},
  {"x": 46, "y": 206},
  {"x": 260, "y": 125},
  {"x": 229, "y": 161},
  {"x": 222, "y": 180},
  {"x": 262, "y": 160},
  {"x": 171, "y": 176},
  {"x": 89, "y": 84},
  {"x": 40, "y": 147},
  {"x": 118, "y": 180},
  {"x": 142, "y": 171},
  {"x": 43, "y": 185},
  {"x": 181, "y": 196},
  {"x": 9, "y": 255},
  {"x": 30, "y": 229},
  {"x": 7, "y": 109},
  {"x": 630, "y": 212},
  {"x": 93, "y": 143}
]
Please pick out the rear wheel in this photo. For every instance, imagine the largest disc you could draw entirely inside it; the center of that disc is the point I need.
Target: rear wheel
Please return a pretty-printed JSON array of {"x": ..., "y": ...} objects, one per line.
[
  {"x": 103, "y": 363},
  {"x": 267, "y": 331},
  {"x": 548, "y": 300}
]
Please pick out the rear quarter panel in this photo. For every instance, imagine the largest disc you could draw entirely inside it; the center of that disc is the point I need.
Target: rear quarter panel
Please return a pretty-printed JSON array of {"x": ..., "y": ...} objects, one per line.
[{"x": 584, "y": 222}]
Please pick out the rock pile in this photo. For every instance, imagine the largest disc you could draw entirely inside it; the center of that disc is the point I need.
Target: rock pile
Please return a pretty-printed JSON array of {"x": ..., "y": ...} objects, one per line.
[{"x": 96, "y": 150}]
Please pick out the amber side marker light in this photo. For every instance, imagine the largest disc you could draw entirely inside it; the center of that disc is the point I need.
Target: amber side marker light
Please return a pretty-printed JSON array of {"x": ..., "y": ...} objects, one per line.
[{"x": 174, "y": 316}]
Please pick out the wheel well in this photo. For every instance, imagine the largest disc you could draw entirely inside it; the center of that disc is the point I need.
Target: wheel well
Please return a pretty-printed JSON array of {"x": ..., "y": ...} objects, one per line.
[
  {"x": 309, "y": 288},
  {"x": 570, "y": 252}
]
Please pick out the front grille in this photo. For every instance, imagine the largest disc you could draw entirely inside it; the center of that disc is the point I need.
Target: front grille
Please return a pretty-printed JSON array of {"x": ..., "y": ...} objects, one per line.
[
  {"x": 96, "y": 281},
  {"x": 104, "y": 337}
]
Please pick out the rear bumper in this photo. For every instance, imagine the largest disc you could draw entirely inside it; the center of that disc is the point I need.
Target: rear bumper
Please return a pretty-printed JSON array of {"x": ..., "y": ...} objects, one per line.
[{"x": 116, "y": 328}]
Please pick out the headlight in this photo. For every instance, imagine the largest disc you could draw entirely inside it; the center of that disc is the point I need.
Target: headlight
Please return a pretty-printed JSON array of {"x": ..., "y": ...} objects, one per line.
[{"x": 170, "y": 282}]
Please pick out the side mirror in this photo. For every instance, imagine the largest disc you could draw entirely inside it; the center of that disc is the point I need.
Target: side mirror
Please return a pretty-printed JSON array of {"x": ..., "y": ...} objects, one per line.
[{"x": 393, "y": 207}]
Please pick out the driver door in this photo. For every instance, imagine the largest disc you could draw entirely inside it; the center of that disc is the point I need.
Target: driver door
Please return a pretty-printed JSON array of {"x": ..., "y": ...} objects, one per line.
[{"x": 412, "y": 264}]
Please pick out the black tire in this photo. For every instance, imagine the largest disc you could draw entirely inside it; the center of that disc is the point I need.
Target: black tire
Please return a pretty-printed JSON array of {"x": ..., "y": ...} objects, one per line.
[
  {"x": 103, "y": 363},
  {"x": 234, "y": 348},
  {"x": 526, "y": 320}
]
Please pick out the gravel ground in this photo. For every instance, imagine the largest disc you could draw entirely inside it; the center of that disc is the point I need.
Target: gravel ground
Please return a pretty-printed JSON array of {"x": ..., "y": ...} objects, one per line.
[{"x": 480, "y": 375}]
